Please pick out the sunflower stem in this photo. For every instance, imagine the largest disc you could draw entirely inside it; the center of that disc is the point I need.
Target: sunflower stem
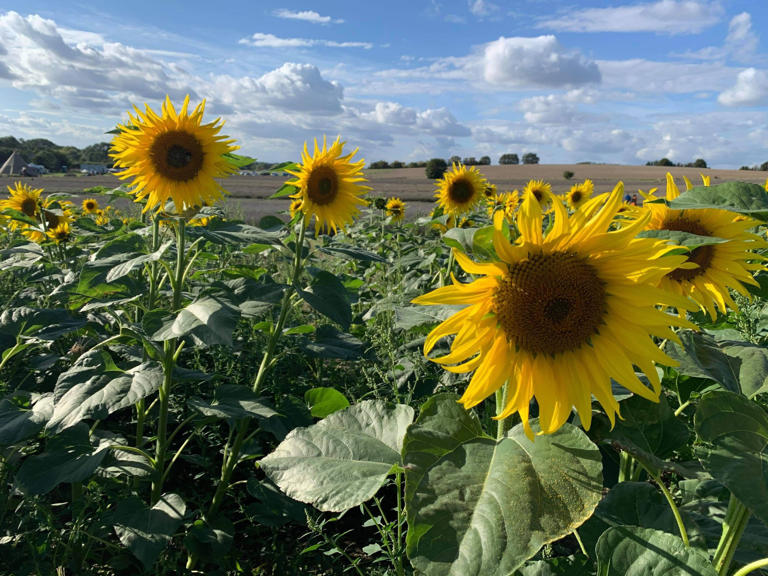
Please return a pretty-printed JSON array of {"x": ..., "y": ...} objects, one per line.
[
  {"x": 751, "y": 567},
  {"x": 672, "y": 505},
  {"x": 445, "y": 276},
  {"x": 502, "y": 425},
  {"x": 170, "y": 355},
  {"x": 736, "y": 519}
]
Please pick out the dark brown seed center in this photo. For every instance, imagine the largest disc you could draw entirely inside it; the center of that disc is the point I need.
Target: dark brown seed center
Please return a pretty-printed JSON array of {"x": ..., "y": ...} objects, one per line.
[
  {"x": 461, "y": 191},
  {"x": 550, "y": 303},
  {"x": 177, "y": 155},
  {"x": 323, "y": 185}
]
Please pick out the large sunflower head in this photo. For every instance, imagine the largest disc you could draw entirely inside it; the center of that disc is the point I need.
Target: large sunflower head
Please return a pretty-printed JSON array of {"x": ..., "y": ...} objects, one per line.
[
  {"x": 173, "y": 156},
  {"x": 540, "y": 190},
  {"x": 560, "y": 314},
  {"x": 395, "y": 209},
  {"x": 710, "y": 270},
  {"x": 580, "y": 193},
  {"x": 91, "y": 206},
  {"x": 460, "y": 189},
  {"x": 329, "y": 185}
]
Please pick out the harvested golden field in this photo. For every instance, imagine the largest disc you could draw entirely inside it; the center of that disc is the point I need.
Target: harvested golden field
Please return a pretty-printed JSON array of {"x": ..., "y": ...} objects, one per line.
[{"x": 249, "y": 195}]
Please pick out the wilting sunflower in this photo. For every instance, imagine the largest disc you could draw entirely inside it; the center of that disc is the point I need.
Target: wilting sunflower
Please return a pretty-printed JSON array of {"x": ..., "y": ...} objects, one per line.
[
  {"x": 580, "y": 193},
  {"x": 711, "y": 269},
  {"x": 173, "y": 156},
  {"x": 460, "y": 189},
  {"x": 61, "y": 233},
  {"x": 24, "y": 199},
  {"x": 294, "y": 207},
  {"x": 329, "y": 186},
  {"x": 560, "y": 315},
  {"x": 540, "y": 190},
  {"x": 395, "y": 209}
]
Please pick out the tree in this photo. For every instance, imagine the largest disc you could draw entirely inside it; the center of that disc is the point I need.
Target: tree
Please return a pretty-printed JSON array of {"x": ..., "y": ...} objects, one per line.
[
  {"x": 699, "y": 163},
  {"x": 378, "y": 164},
  {"x": 470, "y": 161},
  {"x": 509, "y": 159},
  {"x": 530, "y": 158},
  {"x": 397, "y": 164},
  {"x": 484, "y": 160},
  {"x": 455, "y": 160},
  {"x": 764, "y": 166},
  {"x": 435, "y": 168}
]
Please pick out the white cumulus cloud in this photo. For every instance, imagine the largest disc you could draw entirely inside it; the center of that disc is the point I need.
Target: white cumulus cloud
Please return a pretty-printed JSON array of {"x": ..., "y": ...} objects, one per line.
[
  {"x": 751, "y": 89},
  {"x": 541, "y": 61}
]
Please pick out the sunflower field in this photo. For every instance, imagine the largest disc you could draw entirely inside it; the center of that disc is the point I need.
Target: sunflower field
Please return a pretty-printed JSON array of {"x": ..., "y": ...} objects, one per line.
[{"x": 526, "y": 382}]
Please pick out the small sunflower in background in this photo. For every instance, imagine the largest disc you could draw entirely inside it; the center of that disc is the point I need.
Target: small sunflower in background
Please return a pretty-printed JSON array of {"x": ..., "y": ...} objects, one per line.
[
  {"x": 294, "y": 207},
  {"x": 61, "y": 233},
  {"x": 710, "y": 270},
  {"x": 541, "y": 191},
  {"x": 560, "y": 315},
  {"x": 173, "y": 156},
  {"x": 490, "y": 192},
  {"x": 460, "y": 190},
  {"x": 329, "y": 186},
  {"x": 580, "y": 193},
  {"x": 91, "y": 206},
  {"x": 395, "y": 209}
]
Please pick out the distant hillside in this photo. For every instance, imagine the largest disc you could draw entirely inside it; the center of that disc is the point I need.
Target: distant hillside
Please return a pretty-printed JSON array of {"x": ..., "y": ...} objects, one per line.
[{"x": 56, "y": 158}]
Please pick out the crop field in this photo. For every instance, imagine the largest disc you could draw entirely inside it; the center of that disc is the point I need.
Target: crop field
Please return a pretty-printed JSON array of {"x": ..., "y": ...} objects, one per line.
[{"x": 497, "y": 372}]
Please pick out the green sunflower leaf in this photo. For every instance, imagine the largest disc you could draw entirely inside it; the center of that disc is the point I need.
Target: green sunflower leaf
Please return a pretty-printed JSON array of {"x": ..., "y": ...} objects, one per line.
[
  {"x": 743, "y": 197},
  {"x": 344, "y": 459},
  {"x": 324, "y": 401},
  {"x": 477, "y": 506},
  {"x": 634, "y": 551},
  {"x": 736, "y": 431},
  {"x": 328, "y": 296},
  {"x": 680, "y": 238}
]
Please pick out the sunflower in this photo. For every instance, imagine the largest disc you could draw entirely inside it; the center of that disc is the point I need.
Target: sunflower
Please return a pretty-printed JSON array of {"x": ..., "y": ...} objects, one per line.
[
  {"x": 61, "y": 233},
  {"x": 560, "y": 314},
  {"x": 294, "y": 207},
  {"x": 541, "y": 190},
  {"x": 490, "y": 191},
  {"x": 329, "y": 186},
  {"x": 580, "y": 193},
  {"x": 172, "y": 156},
  {"x": 506, "y": 202},
  {"x": 91, "y": 206},
  {"x": 460, "y": 189},
  {"x": 24, "y": 199},
  {"x": 56, "y": 213},
  {"x": 711, "y": 269},
  {"x": 395, "y": 209}
]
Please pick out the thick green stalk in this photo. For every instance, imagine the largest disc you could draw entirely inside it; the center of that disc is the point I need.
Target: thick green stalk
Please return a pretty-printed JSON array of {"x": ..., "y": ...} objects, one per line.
[
  {"x": 169, "y": 361},
  {"x": 736, "y": 519},
  {"x": 502, "y": 425},
  {"x": 672, "y": 505},
  {"x": 399, "y": 548}
]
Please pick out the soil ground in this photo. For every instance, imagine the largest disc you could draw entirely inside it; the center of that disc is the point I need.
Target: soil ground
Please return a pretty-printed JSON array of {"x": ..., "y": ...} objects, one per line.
[{"x": 249, "y": 195}]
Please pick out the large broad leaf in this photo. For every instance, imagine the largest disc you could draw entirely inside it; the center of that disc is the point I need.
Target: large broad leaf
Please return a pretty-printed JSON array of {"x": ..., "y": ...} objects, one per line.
[
  {"x": 233, "y": 402},
  {"x": 342, "y": 460},
  {"x": 680, "y": 238},
  {"x": 330, "y": 343},
  {"x": 647, "y": 430},
  {"x": 487, "y": 506},
  {"x": 633, "y": 551},
  {"x": 126, "y": 267},
  {"x": 737, "y": 431},
  {"x": 17, "y": 424},
  {"x": 352, "y": 252},
  {"x": 210, "y": 320},
  {"x": 68, "y": 457},
  {"x": 228, "y": 232},
  {"x": 94, "y": 389},
  {"x": 328, "y": 296},
  {"x": 741, "y": 197},
  {"x": 478, "y": 241},
  {"x": 147, "y": 531},
  {"x": 642, "y": 504},
  {"x": 735, "y": 365}
]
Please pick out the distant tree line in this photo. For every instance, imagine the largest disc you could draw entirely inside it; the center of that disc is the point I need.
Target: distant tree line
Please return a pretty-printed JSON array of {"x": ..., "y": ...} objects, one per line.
[
  {"x": 763, "y": 167},
  {"x": 698, "y": 163},
  {"x": 528, "y": 158},
  {"x": 52, "y": 156},
  {"x": 380, "y": 164}
]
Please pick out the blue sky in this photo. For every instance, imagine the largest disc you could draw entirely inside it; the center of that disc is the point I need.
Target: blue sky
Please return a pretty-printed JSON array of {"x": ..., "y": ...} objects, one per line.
[{"x": 618, "y": 82}]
